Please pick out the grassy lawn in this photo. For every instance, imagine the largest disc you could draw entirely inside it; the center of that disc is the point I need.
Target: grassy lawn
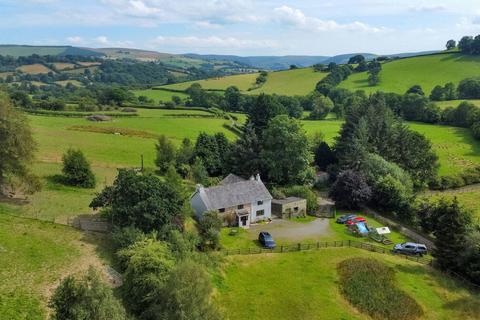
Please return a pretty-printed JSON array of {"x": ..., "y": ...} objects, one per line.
[
  {"x": 304, "y": 285},
  {"x": 33, "y": 256},
  {"x": 159, "y": 95},
  {"x": 427, "y": 71}
]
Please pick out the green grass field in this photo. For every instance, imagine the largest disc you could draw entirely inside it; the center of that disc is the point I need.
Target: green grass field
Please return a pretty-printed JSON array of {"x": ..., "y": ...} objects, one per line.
[
  {"x": 304, "y": 285},
  {"x": 455, "y": 103},
  {"x": 291, "y": 82},
  {"x": 428, "y": 71},
  {"x": 159, "y": 95},
  {"x": 468, "y": 197},
  {"x": 17, "y": 51},
  {"x": 242, "y": 81},
  {"x": 34, "y": 255}
]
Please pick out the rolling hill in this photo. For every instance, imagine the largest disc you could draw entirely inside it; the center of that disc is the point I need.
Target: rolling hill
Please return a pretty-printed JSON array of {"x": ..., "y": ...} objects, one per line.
[
  {"x": 427, "y": 71},
  {"x": 25, "y": 50}
]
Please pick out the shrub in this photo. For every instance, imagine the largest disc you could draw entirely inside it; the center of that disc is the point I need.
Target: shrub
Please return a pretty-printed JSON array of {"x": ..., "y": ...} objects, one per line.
[
  {"x": 370, "y": 286},
  {"x": 77, "y": 170},
  {"x": 85, "y": 298},
  {"x": 350, "y": 190},
  {"x": 209, "y": 230}
]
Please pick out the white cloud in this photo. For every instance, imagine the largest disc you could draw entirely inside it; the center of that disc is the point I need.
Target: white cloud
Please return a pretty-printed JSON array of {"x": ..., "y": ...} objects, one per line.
[
  {"x": 76, "y": 40},
  {"x": 428, "y": 8},
  {"x": 296, "y": 18},
  {"x": 212, "y": 42},
  {"x": 104, "y": 41}
]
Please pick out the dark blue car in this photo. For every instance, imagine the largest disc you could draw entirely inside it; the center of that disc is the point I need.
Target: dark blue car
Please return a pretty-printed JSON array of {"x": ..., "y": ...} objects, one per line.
[
  {"x": 343, "y": 219},
  {"x": 266, "y": 240}
]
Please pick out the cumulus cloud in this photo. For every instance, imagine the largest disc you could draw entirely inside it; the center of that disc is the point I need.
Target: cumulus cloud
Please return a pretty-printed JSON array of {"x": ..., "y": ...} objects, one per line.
[
  {"x": 296, "y": 18},
  {"x": 211, "y": 42},
  {"x": 105, "y": 41},
  {"x": 75, "y": 40}
]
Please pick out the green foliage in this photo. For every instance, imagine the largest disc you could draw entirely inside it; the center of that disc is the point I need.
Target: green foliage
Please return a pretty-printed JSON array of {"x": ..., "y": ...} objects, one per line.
[
  {"x": 324, "y": 156},
  {"x": 285, "y": 152},
  {"x": 370, "y": 286},
  {"x": 76, "y": 169},
  {"x": 199, "y": 173},
  {"x": 85, "y": 298},
  {"x": 244, "y": 156},
  {"x": 337, "y": 74},
  {"x": 265, "y": 109},
  {"x": 209, "y": 226},
  {"x": 321, "y": 107},
  {"x": 126, "y": 236},
  {"x": 147, "y": 265},
  {"x": 166, "y": 154},
  {"x": 188, "y": 296},
  {"x": 142, "y": 201},
  {"x": 450, "y": 231},
  {"x": 469, "y": 89},
  {"x": 373, "y": 69},
  {"x": 212, "y": 150},
  {"x": 415, "y": 89},
  {"x": 451, "y": 44},
  {"x": 350, "y": 190},
  {"x": 17, "y": 148}
]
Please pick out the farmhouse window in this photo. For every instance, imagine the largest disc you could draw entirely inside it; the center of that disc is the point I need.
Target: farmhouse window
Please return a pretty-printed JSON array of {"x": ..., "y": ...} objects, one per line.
[
  {"x": 259, "y": 203},
  {"x": 295, "y": 209},
  {"x": 222, "y": 210},
  {"x": 240, "y": 206},
  {"x": 260, "y": 212}
]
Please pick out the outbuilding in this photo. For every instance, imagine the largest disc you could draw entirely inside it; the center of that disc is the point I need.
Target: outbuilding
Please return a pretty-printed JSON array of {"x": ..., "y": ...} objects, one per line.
[{"x": 289, "y": 207}]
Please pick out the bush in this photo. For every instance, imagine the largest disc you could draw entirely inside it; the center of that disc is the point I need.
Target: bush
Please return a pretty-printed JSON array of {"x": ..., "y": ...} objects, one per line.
[
  {"x": 350, "y": 190},
  {"x": 370, "y": 286},
  {"x": 85, "y": 298},
  {"x": 77, "y": 170},
  {"x": 125, "y": 237},
  {"x": 209, "y": 230}
]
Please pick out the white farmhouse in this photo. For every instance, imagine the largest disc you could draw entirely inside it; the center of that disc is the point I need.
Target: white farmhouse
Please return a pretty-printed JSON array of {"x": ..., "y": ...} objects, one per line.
[{"x": 239, "y": 201}]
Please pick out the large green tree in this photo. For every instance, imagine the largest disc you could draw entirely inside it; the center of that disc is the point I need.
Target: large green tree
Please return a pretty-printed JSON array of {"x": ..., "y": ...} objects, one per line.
[
  {"x": 285, "y": 152},
  {"x": 17, "y": 148},
  {"x": 265, "y": 109},
  {"x": 142, "y": 201},
  {"x": 166, "y": 154}
]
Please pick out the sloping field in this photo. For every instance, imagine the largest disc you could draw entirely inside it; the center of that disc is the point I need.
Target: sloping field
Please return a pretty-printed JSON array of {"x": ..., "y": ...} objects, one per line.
[
  {"x": 17, "y": 51},
  {"x": 454, "y": 103},
  {"x": 291, "y": 82},
  {"x": 34, "y": 256},
  {"x": 63, "y": 83},
  {"x": 427, "y": 71},
  {"x": 34, "y": 68},
  {"x": 63, "y": 65},
  {"x": 159, "y": 95},
  {"x": 304, "y": 285},
  {"x": 242, "y": 81}
]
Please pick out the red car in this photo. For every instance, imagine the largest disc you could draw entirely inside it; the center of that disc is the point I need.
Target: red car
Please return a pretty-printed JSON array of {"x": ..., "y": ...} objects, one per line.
[{"x": 355, "y": 220}]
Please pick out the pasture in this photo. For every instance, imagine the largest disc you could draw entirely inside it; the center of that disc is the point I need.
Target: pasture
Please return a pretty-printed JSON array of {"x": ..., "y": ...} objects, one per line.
[
  {"x": 291, "y": 82},
  {"x": 34, "y": 69},
  {"x": 35, "y": 255},
  {"x": 159, "y": 95},
  {"x": 136, "y": 136},
  {"x": 455, "y": 103},
  {"x": 242, "y": 81},
  {"x": 62, "y": 65},
  {"x": 467, "y": 196},
  {"x": 427, "y": 71},
  {"x": 304, "y": 285}
]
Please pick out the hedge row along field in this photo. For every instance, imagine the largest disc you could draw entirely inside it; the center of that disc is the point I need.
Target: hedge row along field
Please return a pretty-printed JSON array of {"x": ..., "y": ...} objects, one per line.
[{"x": 370, "y": 286}]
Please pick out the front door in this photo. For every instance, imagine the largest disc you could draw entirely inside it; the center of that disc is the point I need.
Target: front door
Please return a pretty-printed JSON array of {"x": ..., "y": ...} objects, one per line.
[{"x": 244, "y": 221}]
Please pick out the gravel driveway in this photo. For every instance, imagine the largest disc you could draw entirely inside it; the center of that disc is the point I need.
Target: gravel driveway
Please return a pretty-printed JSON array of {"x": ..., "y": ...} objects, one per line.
[{"x": 293, "y": 231}]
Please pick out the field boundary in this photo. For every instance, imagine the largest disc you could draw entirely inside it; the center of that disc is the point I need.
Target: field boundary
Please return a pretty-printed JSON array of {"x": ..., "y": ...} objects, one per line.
[{"x": 324, "y": 245}]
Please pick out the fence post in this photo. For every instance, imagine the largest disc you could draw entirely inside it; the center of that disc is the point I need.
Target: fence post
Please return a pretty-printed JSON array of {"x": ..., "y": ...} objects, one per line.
[
  {"x": 299, "y": 247},
  {"x": 349, "y": 242}
]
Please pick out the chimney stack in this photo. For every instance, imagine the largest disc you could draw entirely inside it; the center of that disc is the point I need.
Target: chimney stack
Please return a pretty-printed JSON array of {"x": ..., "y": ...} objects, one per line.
[{"x": 257, "y": 177}]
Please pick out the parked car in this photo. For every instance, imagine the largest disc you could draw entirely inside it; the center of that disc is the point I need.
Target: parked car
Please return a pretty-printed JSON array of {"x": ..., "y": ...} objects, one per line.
[
  {"x": 410, "y": 248},
  {"x": 355, "y": 220},
  {"x": 266, "y": 240},
  {"x": 343, "y": 219}
]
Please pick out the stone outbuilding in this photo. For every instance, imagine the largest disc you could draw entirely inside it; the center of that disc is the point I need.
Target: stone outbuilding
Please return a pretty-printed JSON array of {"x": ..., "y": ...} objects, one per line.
[{"x": 289, "y": 207}]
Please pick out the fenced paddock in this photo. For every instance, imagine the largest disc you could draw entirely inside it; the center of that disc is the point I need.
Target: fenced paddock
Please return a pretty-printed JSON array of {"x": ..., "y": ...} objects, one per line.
[{"x": 324, "y": 245}]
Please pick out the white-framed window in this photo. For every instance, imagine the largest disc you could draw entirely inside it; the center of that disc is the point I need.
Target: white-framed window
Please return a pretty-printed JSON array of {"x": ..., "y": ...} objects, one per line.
[
  {"x": 260, "y": 213},
  {"x": 259, "y": 202},
  {"x": 240, "y": 206}
]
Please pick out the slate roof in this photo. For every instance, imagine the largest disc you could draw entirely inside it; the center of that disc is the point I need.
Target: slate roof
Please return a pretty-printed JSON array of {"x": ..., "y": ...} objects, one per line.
[{"x": 234, "y": 194}]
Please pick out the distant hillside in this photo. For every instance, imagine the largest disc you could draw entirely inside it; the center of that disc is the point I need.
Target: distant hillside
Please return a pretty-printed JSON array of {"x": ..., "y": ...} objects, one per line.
[
  {"x": 427, "y": 71},
  {"x": 264, "y": 62},
  {"x": 25, "y": 50}
]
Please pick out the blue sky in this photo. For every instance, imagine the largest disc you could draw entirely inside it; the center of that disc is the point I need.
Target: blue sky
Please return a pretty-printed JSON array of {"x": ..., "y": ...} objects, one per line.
[{"x": 243, "y": 27}]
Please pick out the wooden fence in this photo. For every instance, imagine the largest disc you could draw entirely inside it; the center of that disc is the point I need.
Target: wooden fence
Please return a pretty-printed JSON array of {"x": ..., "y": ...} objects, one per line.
[{"x": 325, "y": 244}]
